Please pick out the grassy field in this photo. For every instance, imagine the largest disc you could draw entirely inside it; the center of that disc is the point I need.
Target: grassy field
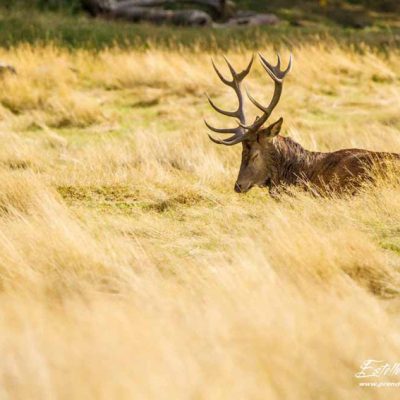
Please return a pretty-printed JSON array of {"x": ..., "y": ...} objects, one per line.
[{"x": 130, "y": 269}]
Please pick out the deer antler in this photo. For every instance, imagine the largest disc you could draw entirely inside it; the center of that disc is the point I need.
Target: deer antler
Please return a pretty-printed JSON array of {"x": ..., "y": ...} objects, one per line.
[
  {"x": 277, "y": 76},
  {"x": 239, "y": 132},
  {"x": 243, "y": 131}
]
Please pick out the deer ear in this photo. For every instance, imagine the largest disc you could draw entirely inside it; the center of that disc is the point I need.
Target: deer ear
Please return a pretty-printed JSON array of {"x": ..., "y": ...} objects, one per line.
[
  {"x": 272, "y": 131},
  {"x": 275, "y": 128}
]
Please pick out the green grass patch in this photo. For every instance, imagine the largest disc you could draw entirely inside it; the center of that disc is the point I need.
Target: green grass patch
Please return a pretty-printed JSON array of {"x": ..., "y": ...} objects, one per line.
[
  {"x": 106, "y": 198},
  {"x": 124, "y": 199}
]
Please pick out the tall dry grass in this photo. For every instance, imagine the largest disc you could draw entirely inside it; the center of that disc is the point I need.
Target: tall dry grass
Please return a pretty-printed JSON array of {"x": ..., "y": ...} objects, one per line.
[{"x": 130, "y": 269}]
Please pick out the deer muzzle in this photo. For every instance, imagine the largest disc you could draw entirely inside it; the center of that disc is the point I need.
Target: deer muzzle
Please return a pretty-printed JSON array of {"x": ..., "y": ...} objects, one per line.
[{"x": 242, "y": 188}]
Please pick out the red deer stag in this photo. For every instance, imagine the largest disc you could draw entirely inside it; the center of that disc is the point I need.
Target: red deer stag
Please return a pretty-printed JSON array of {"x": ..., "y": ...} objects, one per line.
[{"x": 273, "y": 161}]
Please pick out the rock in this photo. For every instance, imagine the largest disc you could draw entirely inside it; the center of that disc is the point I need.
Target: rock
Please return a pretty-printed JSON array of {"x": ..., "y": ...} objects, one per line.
[
  {"x": 160, "y": 16},
  {"x": 254, "y": 20}
]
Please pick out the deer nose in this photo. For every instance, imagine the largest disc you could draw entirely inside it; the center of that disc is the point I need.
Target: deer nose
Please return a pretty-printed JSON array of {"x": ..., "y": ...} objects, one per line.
[
  {"x": 238, "y": 188},
  {"x": 243, "y": 187}
]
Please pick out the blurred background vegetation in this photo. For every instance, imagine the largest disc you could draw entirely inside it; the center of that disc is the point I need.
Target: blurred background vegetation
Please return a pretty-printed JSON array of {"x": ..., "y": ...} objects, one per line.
[
  {"x": 271, "y": 5},
  {"x": 374, "y": 22}
]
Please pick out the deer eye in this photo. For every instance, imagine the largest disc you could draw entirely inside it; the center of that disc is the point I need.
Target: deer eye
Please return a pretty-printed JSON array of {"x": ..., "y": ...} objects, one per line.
[{"x": 254, "y": 156}]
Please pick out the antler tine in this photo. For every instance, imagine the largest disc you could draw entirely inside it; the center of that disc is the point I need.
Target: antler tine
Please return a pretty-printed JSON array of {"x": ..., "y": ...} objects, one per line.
[
  {"x": 278, "y": 64},
  {"x": 266, "y": 63},
  {"x": 223, "y": 79},
  {"x": 245, "y": 72},
  {"x": 255, "y": 102},
  {"x": 227, "y": 142},
  {"x": 249, "y": 127},
  {"x": 233, "y": 72},
  {"x": 220, "y": 110},
  {"x": 289, "y": 67},
  {"x": 222, "y": 130}
]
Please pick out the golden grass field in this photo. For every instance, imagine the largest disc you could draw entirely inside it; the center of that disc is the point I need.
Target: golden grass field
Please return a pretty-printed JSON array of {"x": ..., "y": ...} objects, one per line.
[{"x": 129, "y": 268}]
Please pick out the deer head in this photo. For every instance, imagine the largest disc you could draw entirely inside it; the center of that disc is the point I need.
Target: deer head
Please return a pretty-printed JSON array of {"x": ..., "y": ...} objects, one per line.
[{"x": 256, "y": 140}]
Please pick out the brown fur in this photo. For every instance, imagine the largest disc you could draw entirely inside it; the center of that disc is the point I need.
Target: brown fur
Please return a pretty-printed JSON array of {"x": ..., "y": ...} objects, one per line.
[{"x": 276, "y": 162}]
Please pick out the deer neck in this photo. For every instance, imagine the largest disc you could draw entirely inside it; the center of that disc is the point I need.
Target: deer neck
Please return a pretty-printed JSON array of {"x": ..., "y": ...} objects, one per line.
[{"x": 290, "y": 162}]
